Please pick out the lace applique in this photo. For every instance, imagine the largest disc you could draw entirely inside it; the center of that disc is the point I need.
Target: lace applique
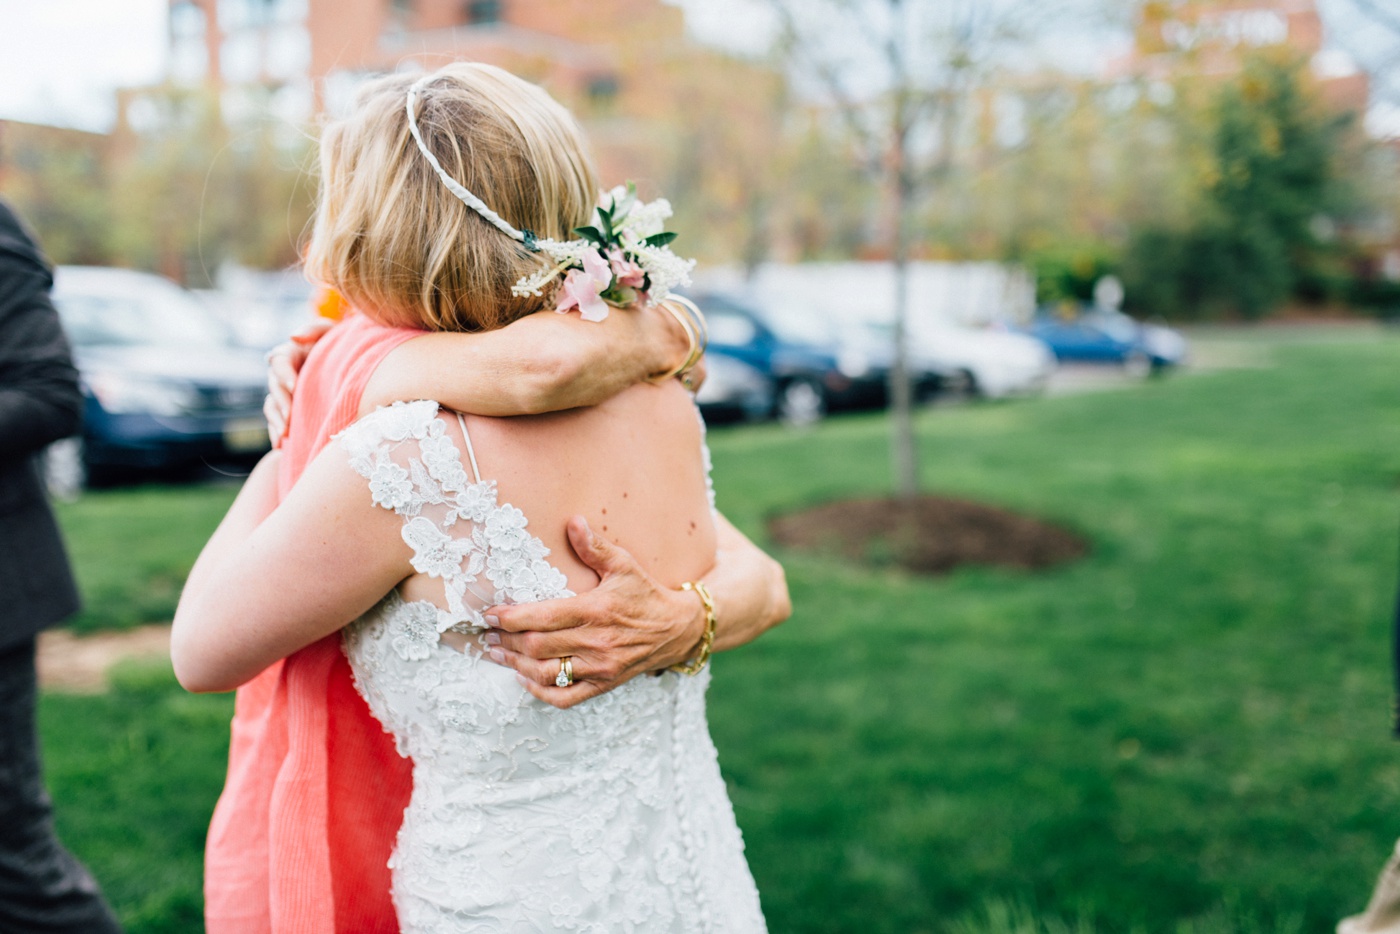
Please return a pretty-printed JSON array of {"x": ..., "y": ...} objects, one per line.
[
  {"x": 433, "y": 480},
  {"x": 389, "y": 485},
  {"x": 417, "y": 632}
]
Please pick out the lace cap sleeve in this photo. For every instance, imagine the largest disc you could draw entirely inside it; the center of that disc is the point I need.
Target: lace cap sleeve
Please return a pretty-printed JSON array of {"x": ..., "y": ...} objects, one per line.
[{"x": 458, "y": 532}]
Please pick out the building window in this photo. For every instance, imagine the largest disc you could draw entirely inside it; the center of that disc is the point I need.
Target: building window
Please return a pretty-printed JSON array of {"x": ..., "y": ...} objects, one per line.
[
  {"x": 186, "y": 20},
  {"x": 482, "y": 12},
  {"x": 246, "y": 14}
]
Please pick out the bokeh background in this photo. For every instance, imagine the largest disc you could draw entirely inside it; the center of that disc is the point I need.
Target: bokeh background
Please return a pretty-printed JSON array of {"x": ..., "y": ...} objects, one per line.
[{"x": 1052, "y": 354}]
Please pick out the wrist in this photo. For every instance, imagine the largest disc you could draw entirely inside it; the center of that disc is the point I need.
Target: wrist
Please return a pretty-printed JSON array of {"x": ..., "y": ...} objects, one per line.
[
  {"x": 699, "y": 656},
  {"x": 687, "y": 628},
  {"x": 667, "y": 344}
]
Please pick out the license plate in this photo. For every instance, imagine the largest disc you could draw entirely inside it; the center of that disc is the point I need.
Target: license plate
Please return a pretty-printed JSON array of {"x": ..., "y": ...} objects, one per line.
[{"x": 246, "y": 434}]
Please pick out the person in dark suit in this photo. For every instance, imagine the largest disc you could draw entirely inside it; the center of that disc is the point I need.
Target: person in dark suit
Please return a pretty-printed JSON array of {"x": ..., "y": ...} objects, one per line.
[{"x": 42, "y": 887}]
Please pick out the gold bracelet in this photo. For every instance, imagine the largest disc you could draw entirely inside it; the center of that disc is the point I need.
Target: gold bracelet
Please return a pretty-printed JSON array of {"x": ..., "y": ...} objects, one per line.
[
  {"x": 693, "y": 328},
  {"x": 697, "y": 317},
  {"x": 707, "y": 641},
  {"x": 697, "y": 321},
  {"x": 692, "y": 336}
]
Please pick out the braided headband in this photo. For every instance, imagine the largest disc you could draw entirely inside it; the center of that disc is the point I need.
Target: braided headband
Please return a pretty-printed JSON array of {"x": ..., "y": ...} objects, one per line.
[
  {"x": 526, "y": 237},
  {"x": 620, "y": 258}
]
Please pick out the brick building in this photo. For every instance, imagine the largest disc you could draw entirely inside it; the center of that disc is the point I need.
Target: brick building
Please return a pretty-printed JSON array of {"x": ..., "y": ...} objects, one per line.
[
  {"x": 1213, "y": 37},
  {"x": 625, "y": 67}
]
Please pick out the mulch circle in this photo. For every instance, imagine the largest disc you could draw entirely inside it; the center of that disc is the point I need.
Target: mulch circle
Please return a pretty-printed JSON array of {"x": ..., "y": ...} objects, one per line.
[{"x": 929, "y": 535}]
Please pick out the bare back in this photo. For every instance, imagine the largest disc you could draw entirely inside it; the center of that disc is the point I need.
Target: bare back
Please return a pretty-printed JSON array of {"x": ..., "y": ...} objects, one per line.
[{"x": 632, "y": 466}]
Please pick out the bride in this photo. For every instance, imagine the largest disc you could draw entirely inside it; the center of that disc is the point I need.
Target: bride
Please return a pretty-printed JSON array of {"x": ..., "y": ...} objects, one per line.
[{"x": 606, "y": 816}]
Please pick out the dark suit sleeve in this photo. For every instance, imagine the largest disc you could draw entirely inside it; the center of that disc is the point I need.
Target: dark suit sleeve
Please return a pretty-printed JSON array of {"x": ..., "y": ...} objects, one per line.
[{"x": 40, "y": 401}]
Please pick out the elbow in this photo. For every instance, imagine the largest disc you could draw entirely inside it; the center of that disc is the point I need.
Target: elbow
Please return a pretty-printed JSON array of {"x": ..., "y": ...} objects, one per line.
[
  {"x": 200, "y": 679},
  {"x": 548, "y": 375},
  {"x": 191, "y": 675},
  {"x": 193, "y": 665},
  {"x": 781, "y": 600},
  {"x": 194, "y": 684}
]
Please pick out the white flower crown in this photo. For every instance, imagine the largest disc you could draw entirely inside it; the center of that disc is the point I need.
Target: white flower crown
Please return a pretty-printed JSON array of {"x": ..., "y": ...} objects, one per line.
[{"x": 622, "y": 257}]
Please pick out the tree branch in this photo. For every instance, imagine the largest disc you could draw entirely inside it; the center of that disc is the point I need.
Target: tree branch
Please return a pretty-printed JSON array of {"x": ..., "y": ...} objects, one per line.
[{"x": 826, "y": 72}]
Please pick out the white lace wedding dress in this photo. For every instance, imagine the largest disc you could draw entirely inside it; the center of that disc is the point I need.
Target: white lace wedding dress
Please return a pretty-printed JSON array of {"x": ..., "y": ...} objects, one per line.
[{"x": 610, "y": 816}]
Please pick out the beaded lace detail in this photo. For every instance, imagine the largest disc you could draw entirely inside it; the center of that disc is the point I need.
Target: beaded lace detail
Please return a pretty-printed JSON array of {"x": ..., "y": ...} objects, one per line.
[{"x": 609, "y": 816}]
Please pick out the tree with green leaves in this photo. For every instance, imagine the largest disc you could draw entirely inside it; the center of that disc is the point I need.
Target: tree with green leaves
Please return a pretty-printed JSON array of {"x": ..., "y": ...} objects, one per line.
[{"x": 1266, "y": 210}]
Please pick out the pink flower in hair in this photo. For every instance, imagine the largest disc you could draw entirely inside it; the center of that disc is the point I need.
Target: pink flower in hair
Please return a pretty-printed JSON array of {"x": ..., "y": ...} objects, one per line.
[
  {"x": 582, "y": 288},
  {"x": 628, "y": 273}
]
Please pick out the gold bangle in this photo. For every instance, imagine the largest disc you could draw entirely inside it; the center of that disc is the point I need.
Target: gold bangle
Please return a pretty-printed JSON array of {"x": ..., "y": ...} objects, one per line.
[
  {"x": 692, "y": 336},
  {"x": 702, "y": 328},
  {"x": 696, "y": 332},
  {"x": 707, "y": 641}
]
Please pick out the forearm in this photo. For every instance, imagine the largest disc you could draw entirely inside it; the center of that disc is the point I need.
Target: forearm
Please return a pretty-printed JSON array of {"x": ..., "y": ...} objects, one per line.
[
  {"x": 254, "y": 503},
  {"x": 543, "y": 363},
  {"x": 749, "y": 589}
]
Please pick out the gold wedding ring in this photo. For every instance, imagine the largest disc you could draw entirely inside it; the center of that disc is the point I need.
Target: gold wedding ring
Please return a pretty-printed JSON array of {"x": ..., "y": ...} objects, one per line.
[{"x": 566, "y": 672}]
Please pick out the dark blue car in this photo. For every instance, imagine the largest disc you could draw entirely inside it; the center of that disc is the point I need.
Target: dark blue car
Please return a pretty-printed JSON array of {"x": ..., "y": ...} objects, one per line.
[
  {"x": 163, "y": 387},
  {"x": 809, "y": 378}
]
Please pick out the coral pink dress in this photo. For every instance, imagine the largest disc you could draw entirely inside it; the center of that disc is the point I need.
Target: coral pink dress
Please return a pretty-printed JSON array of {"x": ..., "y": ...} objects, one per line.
[{"x": 301, "y": 837}]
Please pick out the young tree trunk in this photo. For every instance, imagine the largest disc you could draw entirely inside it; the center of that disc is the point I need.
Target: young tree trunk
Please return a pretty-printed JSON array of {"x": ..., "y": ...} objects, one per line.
[{"x": 903, "y": 453}]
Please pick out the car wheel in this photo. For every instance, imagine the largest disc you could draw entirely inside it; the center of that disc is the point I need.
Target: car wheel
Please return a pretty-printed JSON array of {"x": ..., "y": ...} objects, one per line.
[
  {"x": 65, "y": 468},
  {"x": 1137, "y": 364},
  {"x": 968, "y": 385},
  {"x": 801, "y": 402}
]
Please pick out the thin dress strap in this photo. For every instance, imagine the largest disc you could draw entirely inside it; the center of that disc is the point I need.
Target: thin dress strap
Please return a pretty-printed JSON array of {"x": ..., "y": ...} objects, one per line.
[{"x": 471, "y": 454}]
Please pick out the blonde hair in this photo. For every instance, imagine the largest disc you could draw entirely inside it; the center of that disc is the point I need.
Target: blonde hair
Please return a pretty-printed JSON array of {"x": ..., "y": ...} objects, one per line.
[{"x": 398, "y": 245}]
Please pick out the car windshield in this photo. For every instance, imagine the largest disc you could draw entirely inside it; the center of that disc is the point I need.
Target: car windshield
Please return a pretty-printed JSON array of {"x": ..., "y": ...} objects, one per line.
[
  {"x": 799, "y": 323},
  {"x": 730, "y": 330},
  {"x": 159, "y": 315}
]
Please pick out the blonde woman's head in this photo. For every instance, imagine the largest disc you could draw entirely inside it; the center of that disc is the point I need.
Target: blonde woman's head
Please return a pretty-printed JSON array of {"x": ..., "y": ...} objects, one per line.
[{"x": 398, "y": 245}]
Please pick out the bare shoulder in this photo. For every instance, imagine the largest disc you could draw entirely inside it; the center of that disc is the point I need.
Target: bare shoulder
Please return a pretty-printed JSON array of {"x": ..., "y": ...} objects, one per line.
[
  {"x": 643, "y": 416},
  {"x": 632, "y": 466}
]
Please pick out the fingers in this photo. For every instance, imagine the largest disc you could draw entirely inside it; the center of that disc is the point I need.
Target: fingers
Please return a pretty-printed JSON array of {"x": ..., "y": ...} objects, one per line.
[
  {"x": 695, "y": 377},
  {"x": 283, "y": 363},
  {"x": 542, "y": 671},
  {"x": 277, "y": 407},
  {"x": 605, "y": 558},
  {"x": 545, "y": 616},
  {"x": 563, "y": 698},
  {"x": 310, "y": 333},
  {"x": 276, "y": 417},
  {"x": 537, "y": 677},
  {"x": 536, "y": 645}
]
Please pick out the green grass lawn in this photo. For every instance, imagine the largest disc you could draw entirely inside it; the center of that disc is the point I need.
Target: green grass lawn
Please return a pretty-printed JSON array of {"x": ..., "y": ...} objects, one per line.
[{"x": 1187, "y": 731}]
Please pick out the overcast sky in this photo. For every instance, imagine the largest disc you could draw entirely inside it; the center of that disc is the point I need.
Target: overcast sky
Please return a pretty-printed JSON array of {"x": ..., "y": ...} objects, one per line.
[{"x": 60, "y": 59}]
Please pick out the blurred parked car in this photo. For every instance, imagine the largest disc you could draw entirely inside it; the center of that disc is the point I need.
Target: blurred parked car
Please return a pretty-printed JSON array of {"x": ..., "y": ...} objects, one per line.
[
  {"x": 733, "y": 390},
  {"x": 1102, "y": 335},
  {"x": 809, "y": 373},
  {"x": 262, "y": 309},
  {"x": 163, "y": 386},
  {"x": 980, "y": 362}
]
